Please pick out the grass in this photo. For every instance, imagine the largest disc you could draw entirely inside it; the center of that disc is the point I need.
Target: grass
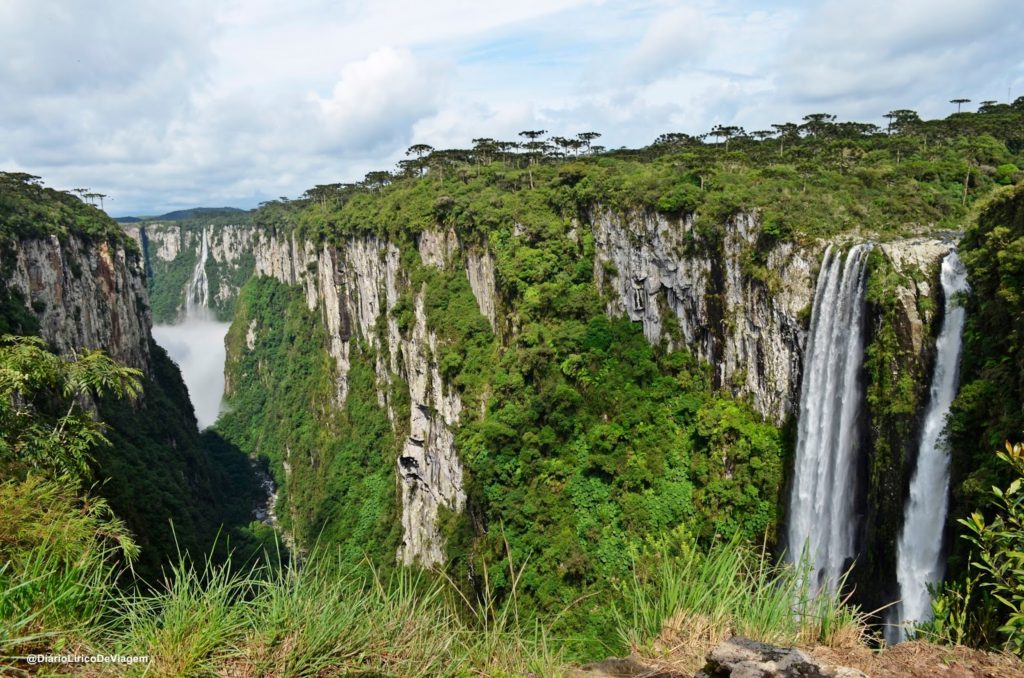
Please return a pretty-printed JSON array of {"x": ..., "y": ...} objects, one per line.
[
  {"x": 677, "y": 607},
  {"x": 59, "y": 593}
]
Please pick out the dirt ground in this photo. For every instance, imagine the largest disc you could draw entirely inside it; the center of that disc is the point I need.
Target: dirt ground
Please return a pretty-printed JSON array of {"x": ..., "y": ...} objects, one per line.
[{"x": 918, "y": 659}]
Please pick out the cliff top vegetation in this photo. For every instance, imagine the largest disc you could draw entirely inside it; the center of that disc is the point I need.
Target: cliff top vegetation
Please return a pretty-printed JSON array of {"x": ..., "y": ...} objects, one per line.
[
  {"x": 817, "y": 178},
  {"x": 27, "y": 208}
]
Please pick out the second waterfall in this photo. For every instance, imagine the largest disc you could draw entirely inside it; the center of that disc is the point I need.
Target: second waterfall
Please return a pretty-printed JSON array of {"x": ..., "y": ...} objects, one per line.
[{"x": 821, "y": 511}]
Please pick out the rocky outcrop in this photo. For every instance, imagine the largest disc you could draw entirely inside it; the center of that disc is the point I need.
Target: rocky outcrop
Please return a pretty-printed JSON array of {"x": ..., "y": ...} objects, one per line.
[
  {"x": 737, "y": 305},
  {"x": 355, "y": 287},
  {"x": 749, "y": 329},
  {"x": 85, "y": 295},
  {"x": 744, "y": 658}
]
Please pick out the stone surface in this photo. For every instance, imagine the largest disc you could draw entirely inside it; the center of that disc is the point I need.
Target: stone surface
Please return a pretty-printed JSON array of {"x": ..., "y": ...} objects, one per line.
[
  {"x": 85, "y": 295},
  {"x": 749, "y": 332},
  {"x": 744, "y": 658}
]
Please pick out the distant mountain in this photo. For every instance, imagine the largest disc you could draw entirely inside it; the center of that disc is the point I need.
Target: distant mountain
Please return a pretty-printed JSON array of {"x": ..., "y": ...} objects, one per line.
[{"x": 188, "y": 214}]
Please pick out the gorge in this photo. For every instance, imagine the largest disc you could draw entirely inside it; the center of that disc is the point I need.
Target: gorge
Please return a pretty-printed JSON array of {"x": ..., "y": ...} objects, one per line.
[{"x": 545, "y": 381}]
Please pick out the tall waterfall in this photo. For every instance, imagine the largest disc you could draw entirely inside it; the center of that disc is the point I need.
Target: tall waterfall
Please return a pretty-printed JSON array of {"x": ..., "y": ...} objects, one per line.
[
  {"x": 919, "y": 553},
  {"x": 821, "y": 520},
  {"x": 197, "y": 295},
  {"x": 196, "y": 342}
]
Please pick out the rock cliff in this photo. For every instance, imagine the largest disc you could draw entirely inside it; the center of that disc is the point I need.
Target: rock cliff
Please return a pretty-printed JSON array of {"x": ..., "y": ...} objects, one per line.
[
  {"x": 85, "y": 295},
  {"x": 738, "y": 303}
]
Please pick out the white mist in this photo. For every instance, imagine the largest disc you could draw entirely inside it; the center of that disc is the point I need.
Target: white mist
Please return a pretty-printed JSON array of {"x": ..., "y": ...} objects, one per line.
[{"x": 196, "y": 344}]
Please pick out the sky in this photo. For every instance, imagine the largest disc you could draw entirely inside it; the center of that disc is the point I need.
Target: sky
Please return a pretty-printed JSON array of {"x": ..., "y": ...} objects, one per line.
[{"x": 174, "y": 103}]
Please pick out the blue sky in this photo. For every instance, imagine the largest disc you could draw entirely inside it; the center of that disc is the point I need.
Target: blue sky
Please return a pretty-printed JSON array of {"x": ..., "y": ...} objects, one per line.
[{"x": 169, "y": 104}]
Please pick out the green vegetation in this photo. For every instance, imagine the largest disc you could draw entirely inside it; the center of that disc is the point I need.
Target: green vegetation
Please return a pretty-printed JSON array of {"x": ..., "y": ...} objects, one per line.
[
  {"x": 812, "y": 180},
  {"x": 43, "y": 426},
  {"x": 340, "y": 488},
  {"x": 679, "y": 605},
  {"x": 988, "y": 409},
  {"x": 1000, "y": 548},
  {"x": 27, "y": 208}
]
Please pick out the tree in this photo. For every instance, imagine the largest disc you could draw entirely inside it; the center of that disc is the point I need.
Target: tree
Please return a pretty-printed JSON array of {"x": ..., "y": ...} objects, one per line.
[
  {"x": 587, "y": 138},
  {"x": 959, "y": 103},
  {"x": 1000, "y": 547},
  {"x": 534, "y": 149},
  {"x": 44, "y": 423},
  {"x": 419, "y": 150},
  {"x": 377, "y": 179},
  {"x": 902, "y": 120},
  {"x": 786, "y": 130},
  {"x": 727, "y": 132},
  {"x": 818, "y": 124}
]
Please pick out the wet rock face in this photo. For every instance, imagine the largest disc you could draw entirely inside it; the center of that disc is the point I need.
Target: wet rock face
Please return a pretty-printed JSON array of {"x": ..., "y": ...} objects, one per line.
[{"x": 85, "y": 296}]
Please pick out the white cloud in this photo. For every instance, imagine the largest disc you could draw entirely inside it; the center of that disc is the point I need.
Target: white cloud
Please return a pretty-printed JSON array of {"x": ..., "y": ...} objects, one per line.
[
  {"x": 378, "y": 100},
  {"x": 675, "y": 39},
  {"x": 234, "y": 101}
]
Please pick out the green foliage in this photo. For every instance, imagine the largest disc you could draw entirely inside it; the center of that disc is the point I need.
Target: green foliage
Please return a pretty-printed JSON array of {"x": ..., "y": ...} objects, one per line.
[
  {"x": 176, "y": 489},
  {"x": 341, "y": 486},
  {"x": 27, "y": 208},
  {"x": 999, "y": 547},
  {"x": 593, "y": 443},
  {"x": 42, "y": 423},
  {"x": 988, "y": 409},
  {"x": 59, "y": 555}
]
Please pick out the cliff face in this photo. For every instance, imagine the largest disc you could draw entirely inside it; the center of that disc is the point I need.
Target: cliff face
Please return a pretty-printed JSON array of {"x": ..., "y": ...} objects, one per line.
[
  {"x": 172, "y": 251},
  {"x": 156, "y": 471},
  {"x": 85, "y": 295},
  {"x": 737, "y": 304},
  {"x": 904, "y": 295},
  {"x": 748, "y": 329},
  {"x": 355, "y": 288}
]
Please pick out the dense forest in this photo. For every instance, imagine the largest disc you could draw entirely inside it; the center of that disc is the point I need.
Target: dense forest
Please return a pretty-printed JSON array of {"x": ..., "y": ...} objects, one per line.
[{"x": 611, "y": 481}]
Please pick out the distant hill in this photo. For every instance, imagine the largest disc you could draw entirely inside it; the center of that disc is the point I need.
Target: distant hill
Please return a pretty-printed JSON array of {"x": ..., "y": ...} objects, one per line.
[{"x": 190, "y": 214}]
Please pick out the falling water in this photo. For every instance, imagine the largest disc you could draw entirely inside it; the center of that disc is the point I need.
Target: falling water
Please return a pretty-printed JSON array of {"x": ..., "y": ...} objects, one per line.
[
  {"x": 821, "y": 521},
  {"x": 919, "y": 554},
  {"x": 197, "y": 343},
  {"x": 197, "y": 295}
]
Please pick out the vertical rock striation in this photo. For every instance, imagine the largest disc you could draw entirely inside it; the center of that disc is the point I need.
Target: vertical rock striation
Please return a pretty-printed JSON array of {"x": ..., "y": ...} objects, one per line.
[
  {"x": 659, "y": 273},
  {"x": 85, "y": 295},
  {"x": 355, "y": 287}
]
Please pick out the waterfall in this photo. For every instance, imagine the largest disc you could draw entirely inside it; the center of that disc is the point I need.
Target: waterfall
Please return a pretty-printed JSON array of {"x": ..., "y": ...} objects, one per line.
[
  {"x": 821, "y": 515},
  {"x": 197, "y": 294},
  {"x": 919, "y": 553},
  {"x": 196, "y": 342}
]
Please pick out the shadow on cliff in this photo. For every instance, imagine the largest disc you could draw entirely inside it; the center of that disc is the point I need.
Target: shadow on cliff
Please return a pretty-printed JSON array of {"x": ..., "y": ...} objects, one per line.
[{"x": 181, "y": 492}]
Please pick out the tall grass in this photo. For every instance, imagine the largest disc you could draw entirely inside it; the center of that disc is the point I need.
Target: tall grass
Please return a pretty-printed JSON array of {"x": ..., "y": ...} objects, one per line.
[
  {"x": 59, "y": 591},
  {"x": 60, "y": 555},
  {"x": 680, "y": 606}
]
